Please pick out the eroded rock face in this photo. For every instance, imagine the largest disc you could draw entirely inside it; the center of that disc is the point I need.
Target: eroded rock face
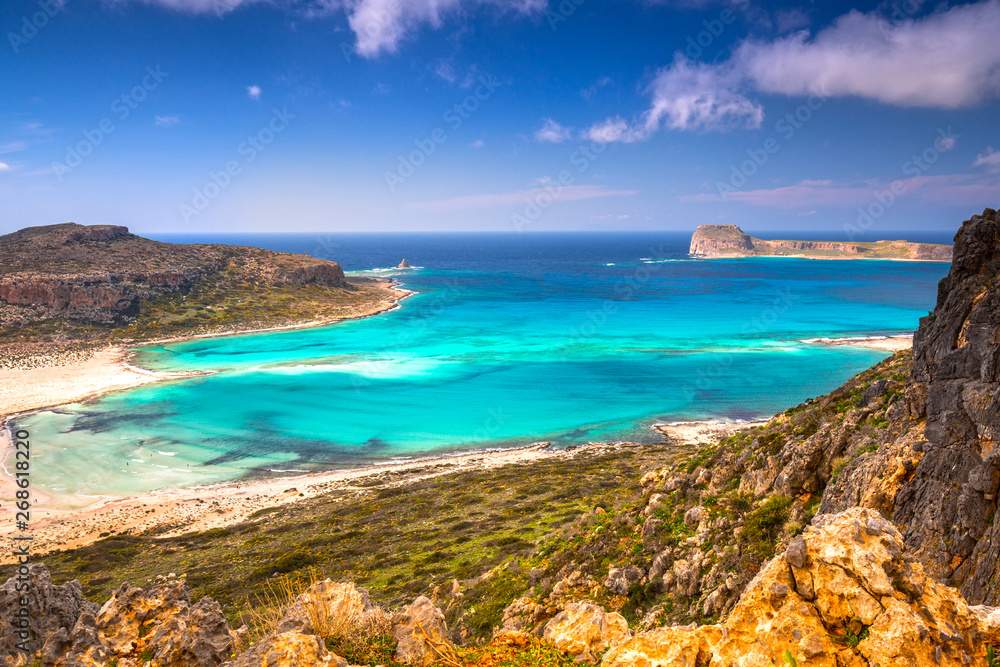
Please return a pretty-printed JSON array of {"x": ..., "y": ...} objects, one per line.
[
  {"x": 54, "y": 610},
  {"x": 948, "y": 510},
  {"x": 420, "y": 633},
  {"x": 584, "y": 630},
  {"x": 163, "y": 623},
  {"x": 843, "y": 593}
]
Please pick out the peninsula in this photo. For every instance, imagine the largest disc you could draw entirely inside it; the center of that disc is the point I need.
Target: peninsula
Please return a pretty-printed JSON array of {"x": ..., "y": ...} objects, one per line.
[
  {"x": 731, "y": 241},
  {"x": 73, "y": 298}
]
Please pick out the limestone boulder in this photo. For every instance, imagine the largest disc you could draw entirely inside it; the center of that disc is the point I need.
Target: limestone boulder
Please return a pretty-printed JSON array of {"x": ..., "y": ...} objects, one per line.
[
  {"x": 583, "y": 630},
  {"x": 421, "y": 633},
  {"x": 288, "y": 649},
  {"x": 665, "y": 647}
]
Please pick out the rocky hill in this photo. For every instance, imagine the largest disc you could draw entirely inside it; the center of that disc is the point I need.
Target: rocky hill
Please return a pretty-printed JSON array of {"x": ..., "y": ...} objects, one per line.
[
  {"x": 731, "y": 241},
  {"x": 66, "y": 283}
]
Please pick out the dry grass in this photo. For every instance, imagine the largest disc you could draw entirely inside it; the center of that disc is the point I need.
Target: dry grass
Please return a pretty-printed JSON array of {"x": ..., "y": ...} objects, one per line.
[{"x": 337, "y": 625}]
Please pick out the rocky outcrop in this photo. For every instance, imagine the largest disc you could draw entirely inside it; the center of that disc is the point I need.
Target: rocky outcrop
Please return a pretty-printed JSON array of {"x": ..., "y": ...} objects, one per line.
[
  {"x": 584, "y": 631},
  {"x": 731, "y": 241},
  {"x": 160, "y": 624},
  {"x": 719, "y": 240},
  {"x": 844, "y": 593},
  {"x": 948, "y": 510},
  {"x": 421, "y": 634},
  {"x": 52, "y": 610}
]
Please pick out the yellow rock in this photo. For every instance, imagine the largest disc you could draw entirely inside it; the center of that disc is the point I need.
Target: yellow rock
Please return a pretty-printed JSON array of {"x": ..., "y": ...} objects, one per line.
[
  {"x": 842, "y": 595},
  {"x": 584, "y": 629}
]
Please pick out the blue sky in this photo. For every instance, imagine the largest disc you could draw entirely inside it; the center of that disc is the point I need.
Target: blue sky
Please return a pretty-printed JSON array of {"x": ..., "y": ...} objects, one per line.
[{"x": 855, "y": 120}]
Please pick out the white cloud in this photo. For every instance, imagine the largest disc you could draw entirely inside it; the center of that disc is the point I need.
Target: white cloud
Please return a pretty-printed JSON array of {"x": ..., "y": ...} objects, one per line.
[
  {"x": 942, "y": 189},
  {"x": 564, "y": 193},
  {"x": 13, "y": 147},
  {"x": 254, "y": 92},
  {"x": 4, "y": 166},
  {"x": 166, "y": 121},
  {"x": 552, "y": 132},
  {"x": 478, "y": 143},
  {"x": 590, "y": 91},
  {"x": 446, "y": 71},
  {"x": 686, "y": 96},
  {"x": 196, "y": 6},
  {"x": 989, "y": 159},
  {"x": 949, "y": 59},
  {"x": 380, "y": 25}
]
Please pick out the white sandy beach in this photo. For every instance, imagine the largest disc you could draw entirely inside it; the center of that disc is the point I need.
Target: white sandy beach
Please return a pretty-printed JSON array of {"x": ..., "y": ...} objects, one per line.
[{"x": 885, "y": 343}]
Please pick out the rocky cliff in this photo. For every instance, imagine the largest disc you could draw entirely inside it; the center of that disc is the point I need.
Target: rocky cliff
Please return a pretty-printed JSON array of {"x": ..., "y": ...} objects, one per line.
[
  {"x": 101, "y": 273},
  {"x": 731, "y": 241},
  {"x": 948, "y": 509}
]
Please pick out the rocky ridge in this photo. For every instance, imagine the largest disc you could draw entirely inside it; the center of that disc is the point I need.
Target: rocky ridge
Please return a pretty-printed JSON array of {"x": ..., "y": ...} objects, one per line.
[
  {"x": 100, "y": 273},
  {"x": 731, "y": 241}
]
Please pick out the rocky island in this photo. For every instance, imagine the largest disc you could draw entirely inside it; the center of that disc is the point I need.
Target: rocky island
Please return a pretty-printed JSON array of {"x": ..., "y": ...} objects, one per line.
[
  {"x": 858, "y": 528},
  {"x": 731, "y": 241}
]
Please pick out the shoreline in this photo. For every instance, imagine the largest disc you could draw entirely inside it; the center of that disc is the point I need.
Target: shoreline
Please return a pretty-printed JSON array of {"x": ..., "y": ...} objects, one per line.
[
  {"x": 886, "y": 343},
  {"x": 883, "y": 259},
  {"x": 173, "y": 512},
  {"x": 119, "y": 357},
  {"x": 62, "y": 377}
]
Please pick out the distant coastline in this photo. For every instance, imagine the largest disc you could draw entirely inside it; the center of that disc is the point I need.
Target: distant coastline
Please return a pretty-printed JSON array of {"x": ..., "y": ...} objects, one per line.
[{"x": 729, "y": 241}]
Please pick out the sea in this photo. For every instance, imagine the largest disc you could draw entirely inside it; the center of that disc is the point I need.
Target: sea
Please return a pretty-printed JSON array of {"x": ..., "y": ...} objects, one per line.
[{"x": 509, "y": 339}]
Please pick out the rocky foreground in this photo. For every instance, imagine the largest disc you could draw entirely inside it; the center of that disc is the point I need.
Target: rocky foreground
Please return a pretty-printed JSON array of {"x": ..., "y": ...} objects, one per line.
[
  {"x": 843, "y": 593},
  {"x": 731, "y": 241}
]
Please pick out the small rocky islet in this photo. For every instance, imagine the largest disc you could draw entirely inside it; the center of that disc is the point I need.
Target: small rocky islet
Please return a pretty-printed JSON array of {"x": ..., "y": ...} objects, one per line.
[
  {"x": 731, "y": 241},
  {"x": 859, "y": 528}
]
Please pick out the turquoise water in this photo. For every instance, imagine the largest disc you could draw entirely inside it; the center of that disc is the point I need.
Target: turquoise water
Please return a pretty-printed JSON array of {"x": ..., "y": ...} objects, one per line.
[{"x": 507, "y": 342}]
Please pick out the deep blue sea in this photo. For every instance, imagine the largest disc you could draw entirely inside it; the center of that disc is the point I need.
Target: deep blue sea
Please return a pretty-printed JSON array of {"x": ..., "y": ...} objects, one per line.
[{"x": 510, "y": 339}]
